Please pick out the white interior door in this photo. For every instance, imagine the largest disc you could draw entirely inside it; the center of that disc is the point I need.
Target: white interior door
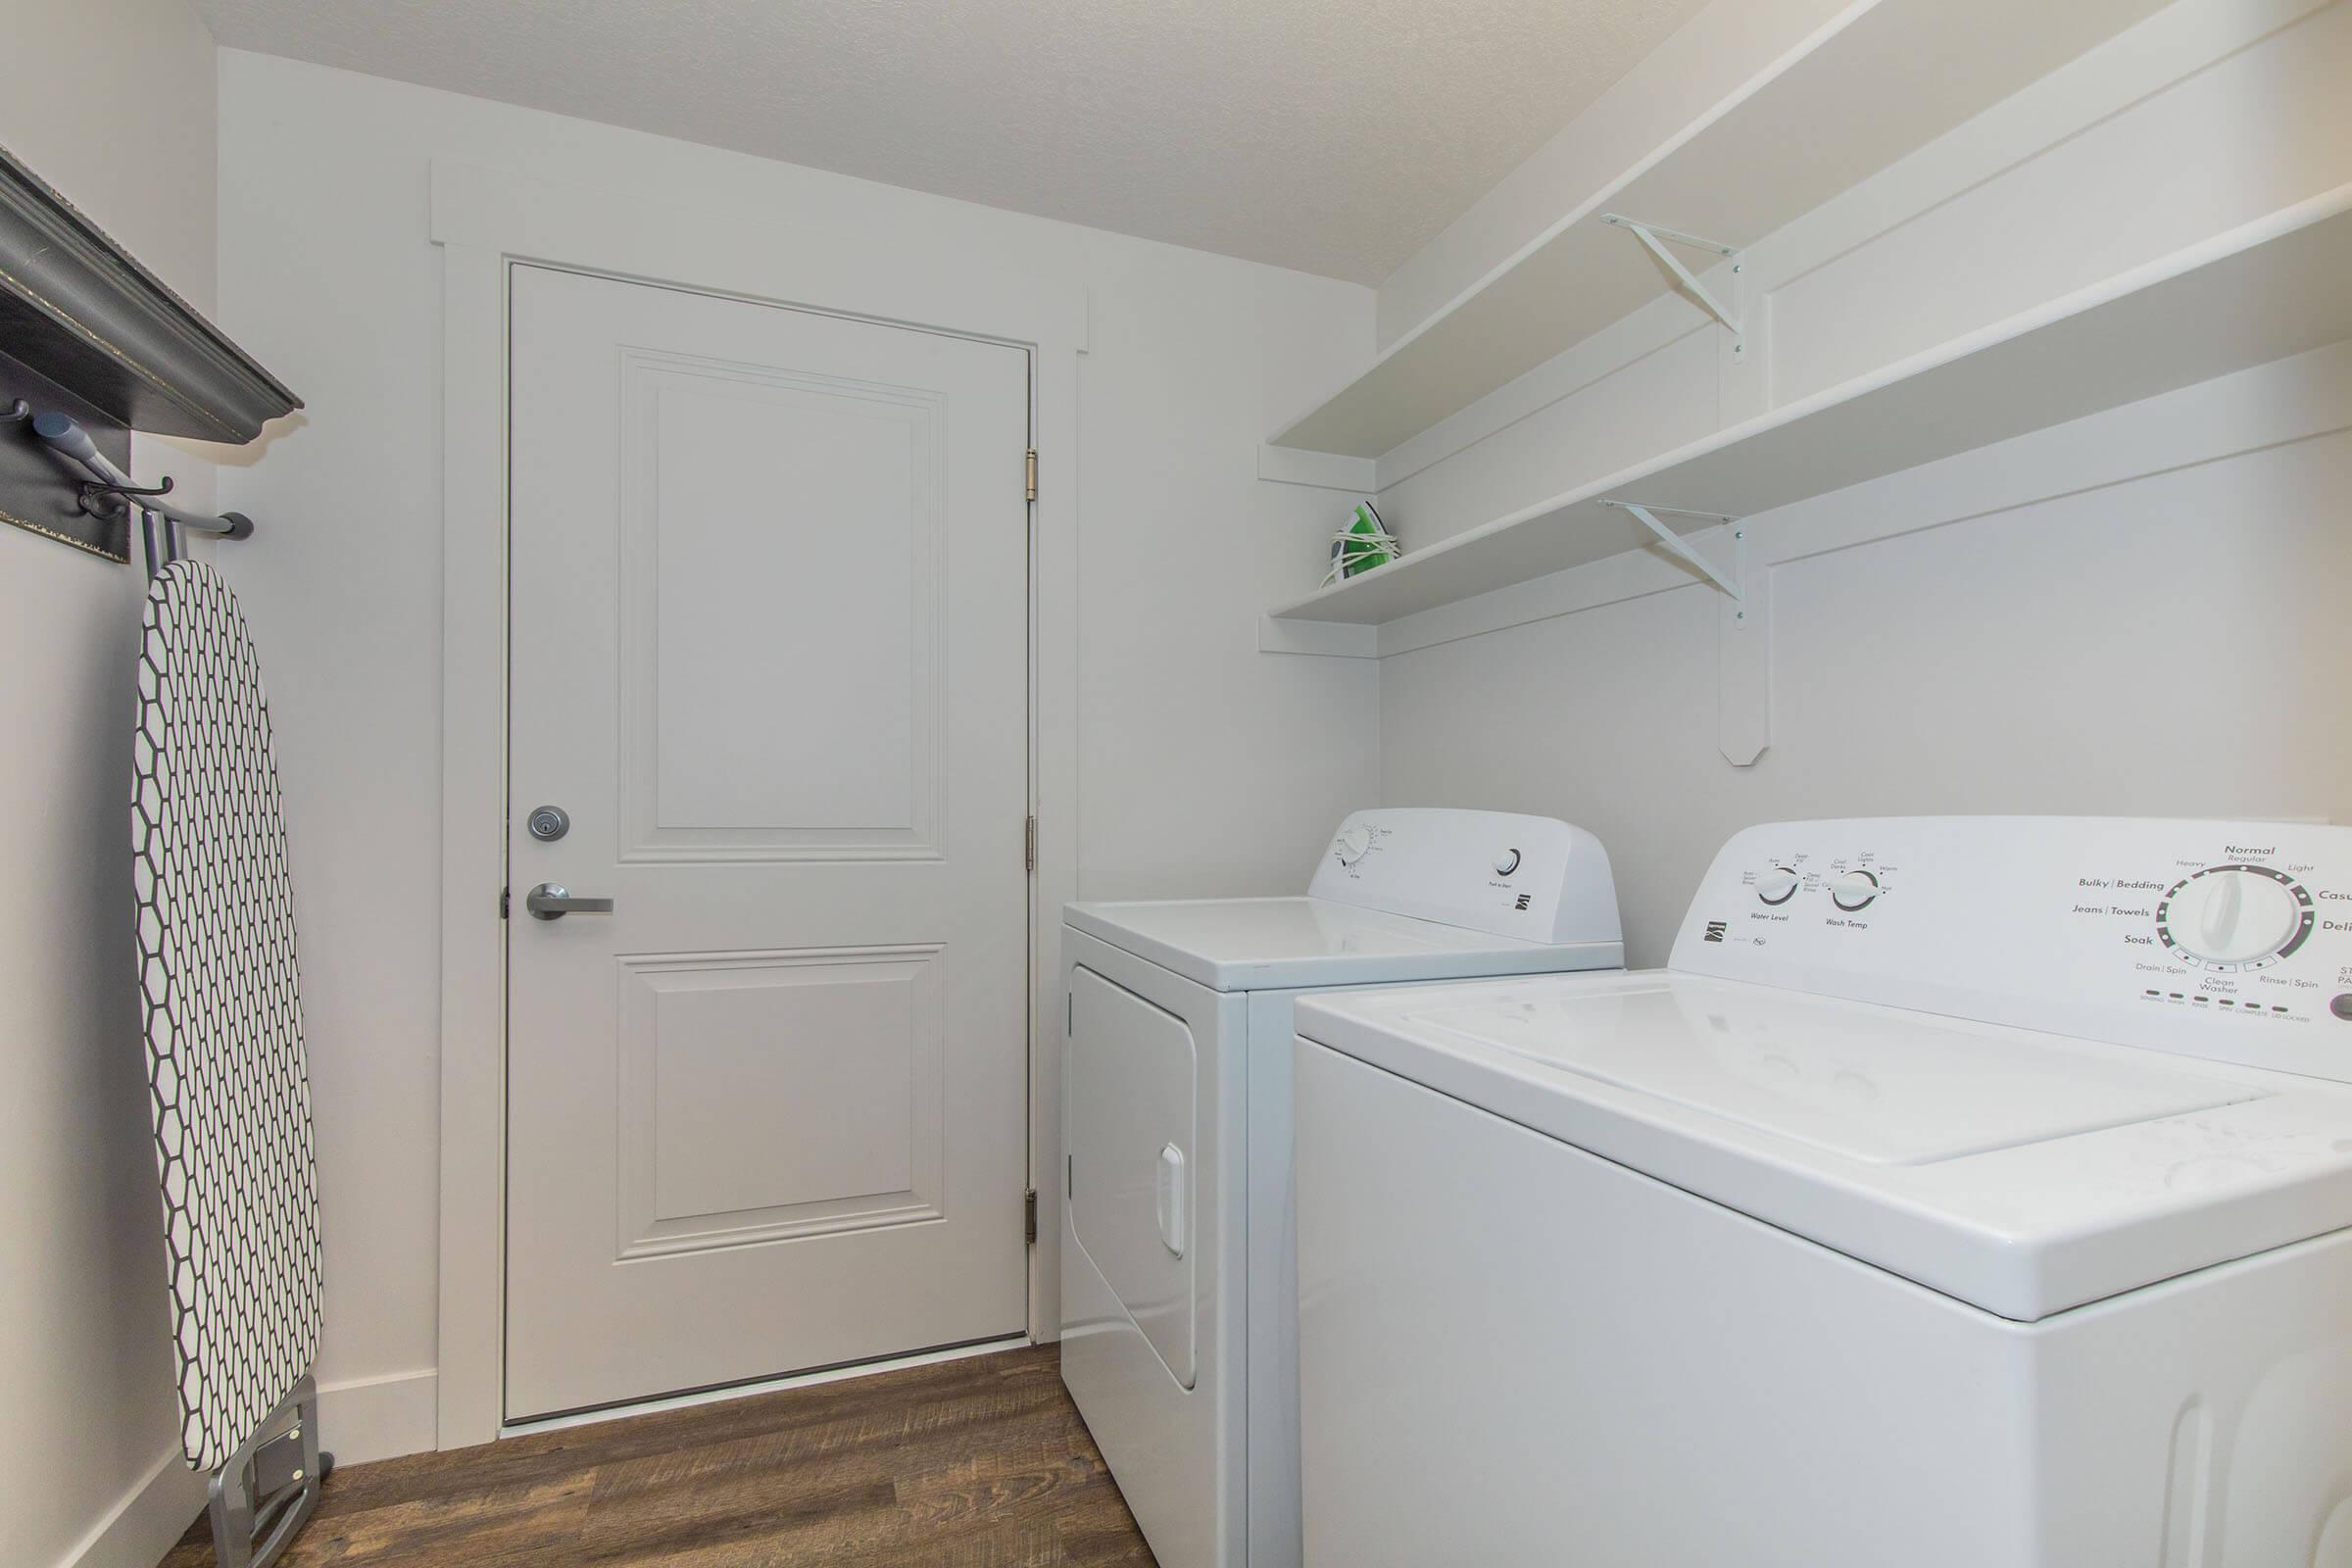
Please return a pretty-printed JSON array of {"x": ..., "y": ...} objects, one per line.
[{"x": 769, "y": 655}]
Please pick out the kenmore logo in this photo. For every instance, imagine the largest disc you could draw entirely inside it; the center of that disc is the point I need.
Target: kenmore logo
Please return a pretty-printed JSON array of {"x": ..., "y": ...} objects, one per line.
[{"x": 1715, "y": 930}]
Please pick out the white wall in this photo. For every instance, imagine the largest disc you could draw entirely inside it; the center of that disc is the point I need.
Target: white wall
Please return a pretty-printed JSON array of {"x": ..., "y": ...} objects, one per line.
[
  {"x": 88, "y": 1418},
  {"x": 2137, "y": 614},
  {"x": 1205, "y": 766},
  {"x": 2143, "y": 640}
]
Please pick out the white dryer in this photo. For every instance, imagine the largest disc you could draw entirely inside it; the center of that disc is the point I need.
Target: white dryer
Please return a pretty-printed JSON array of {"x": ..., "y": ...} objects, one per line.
[
  {"x": 1177, "y": 1282},
  {"x": 1968, "y": 1193}
]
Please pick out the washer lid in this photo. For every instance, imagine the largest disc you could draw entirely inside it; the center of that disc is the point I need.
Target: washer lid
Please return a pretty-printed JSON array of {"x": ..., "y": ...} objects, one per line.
[
  {"x": 1866, "y": 1084},
  {"x": 1277, "y": 943},
  {"x": 2023, "y": 1172}
]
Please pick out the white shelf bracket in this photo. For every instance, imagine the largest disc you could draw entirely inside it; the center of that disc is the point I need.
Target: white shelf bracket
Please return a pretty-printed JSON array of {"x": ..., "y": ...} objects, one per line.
[
  {"x": 1657, "y": 239},
  {"x": 1744, "y": 661},
  {"x": 1734, "y": 584},
  {"x": 1743, "y": 630}
]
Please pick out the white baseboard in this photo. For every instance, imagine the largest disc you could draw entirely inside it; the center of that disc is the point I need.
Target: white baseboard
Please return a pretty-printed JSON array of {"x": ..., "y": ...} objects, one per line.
[
  {"x": 379, "y": 1418},
  {"x": 367, "y": 1418},
  {"x": 146, "y": 1521},
  {"x": 364, "y": 1419}
]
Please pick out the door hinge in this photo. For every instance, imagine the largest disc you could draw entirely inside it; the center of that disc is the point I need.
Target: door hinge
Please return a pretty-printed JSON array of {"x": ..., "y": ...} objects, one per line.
[
  {"x": 506, "y": 903},
  {"x": 1029, "y": 1215},
  {"x": 1029, "y": 467},
  {"x": 1029, "y": 845}
]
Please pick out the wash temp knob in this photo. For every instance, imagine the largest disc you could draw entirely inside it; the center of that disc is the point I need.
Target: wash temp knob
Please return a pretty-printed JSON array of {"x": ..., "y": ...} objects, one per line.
[{"x": 1853, "y": 889}]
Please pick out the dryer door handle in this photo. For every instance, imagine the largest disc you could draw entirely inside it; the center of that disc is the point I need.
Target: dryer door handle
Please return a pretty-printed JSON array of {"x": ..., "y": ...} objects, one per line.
[{"x": 1172, "y": 1191}]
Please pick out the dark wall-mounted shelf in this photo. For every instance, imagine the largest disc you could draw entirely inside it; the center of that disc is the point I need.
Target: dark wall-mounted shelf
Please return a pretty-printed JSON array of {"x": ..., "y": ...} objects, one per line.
[
  {"x": 76, "y": 309},
  {"x": 93, "y": 346}
]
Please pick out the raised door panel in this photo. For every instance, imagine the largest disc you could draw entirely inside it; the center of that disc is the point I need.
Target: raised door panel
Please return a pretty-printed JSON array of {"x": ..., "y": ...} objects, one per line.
[
  {"x": 772, "y": 1095},
  {"x": 781, "y": 643}
]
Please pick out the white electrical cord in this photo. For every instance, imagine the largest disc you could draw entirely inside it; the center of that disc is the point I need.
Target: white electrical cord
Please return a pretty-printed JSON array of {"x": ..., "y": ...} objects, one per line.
[{"x": 1350, "y": 548}]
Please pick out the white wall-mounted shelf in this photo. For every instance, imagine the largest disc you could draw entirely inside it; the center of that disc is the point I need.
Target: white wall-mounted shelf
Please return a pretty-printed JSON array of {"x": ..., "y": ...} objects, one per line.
[
  {"x": 1880, "y": 80},
  {"x": 2266, "y": 290}
]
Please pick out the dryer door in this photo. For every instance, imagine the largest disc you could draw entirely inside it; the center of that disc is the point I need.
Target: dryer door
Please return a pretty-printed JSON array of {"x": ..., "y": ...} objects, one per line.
[{"x": 1132, "y": 1074}]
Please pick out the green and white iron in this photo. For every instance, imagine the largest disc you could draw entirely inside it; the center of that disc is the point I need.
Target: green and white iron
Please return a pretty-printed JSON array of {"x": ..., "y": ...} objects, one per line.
[{"x": 1362, "y": 543}]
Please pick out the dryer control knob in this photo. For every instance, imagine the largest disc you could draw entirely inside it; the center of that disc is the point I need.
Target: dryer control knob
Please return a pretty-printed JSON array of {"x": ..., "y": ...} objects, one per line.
[{"x": 1506, "y": 862}]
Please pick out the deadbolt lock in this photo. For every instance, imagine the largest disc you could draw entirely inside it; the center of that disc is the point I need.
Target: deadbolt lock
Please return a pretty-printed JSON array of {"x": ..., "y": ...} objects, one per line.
[{"x": 549, "y": 823}]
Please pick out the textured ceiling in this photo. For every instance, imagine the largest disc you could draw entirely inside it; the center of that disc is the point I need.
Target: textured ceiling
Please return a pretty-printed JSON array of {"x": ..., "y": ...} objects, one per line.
[{"x": 1335, "y": 137}]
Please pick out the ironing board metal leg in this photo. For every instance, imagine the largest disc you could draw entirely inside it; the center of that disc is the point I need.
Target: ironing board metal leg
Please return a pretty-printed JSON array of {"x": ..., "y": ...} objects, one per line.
[{"x": 269, "y": 1489}]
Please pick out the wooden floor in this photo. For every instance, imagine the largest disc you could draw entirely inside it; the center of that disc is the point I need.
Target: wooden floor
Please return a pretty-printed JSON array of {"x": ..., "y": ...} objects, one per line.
[{"x": 977, "y": 1463}]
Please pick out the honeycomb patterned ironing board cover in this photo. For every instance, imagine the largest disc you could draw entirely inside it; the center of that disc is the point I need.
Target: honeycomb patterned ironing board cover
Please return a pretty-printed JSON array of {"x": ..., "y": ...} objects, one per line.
[{"x": 226, "y": 1080}]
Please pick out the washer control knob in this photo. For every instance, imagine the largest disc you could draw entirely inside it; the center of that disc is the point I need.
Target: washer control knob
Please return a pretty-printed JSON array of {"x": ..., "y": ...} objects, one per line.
[
  {"x": 1506, "y": 862},
  {"x": 1775, "y": 884},
  {"x": 1349, "y": 847},
  {"x": 1853, "y": 889},
  {"x": 2230, "y": 915}
]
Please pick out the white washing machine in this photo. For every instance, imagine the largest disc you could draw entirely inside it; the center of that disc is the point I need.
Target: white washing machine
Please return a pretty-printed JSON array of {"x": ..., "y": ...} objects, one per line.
[
  {"x": 1177, "y": 1283},
  {"x": 1966, "y": 1193}
]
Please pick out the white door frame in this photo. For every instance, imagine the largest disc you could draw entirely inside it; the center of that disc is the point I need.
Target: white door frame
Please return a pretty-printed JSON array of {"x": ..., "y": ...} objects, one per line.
[{"x": 484, "y": 221}]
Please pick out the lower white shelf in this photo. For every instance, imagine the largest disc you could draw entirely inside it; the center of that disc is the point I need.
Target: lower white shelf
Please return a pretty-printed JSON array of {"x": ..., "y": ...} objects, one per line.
[{"x": 2269, "y": 289}]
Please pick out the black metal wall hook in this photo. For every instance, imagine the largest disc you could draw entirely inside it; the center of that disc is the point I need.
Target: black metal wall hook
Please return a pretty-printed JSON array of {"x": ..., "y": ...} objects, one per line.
[
  {"x": 97, "y": 477},
  {"x": 100, "y": 498}
]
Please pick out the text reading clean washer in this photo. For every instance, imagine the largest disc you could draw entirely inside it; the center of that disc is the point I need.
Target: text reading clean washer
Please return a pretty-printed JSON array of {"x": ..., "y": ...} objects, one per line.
[
  {"x": 1177, "y": 1292},
  {"x": 1968, "y": 1193}
]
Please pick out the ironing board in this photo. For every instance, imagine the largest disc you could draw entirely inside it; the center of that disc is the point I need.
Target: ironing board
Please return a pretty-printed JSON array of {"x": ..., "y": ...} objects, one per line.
[{"x": 228, "y": 1083}]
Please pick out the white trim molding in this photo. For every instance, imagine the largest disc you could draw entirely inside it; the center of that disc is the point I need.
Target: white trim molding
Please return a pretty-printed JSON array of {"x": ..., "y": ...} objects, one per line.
[
  {"x": 366, "y": 1418},
  {"x": 485, "y": 221},
  {"x": 381, "y": 1417},
  {"x": 146, "y": 1521}
]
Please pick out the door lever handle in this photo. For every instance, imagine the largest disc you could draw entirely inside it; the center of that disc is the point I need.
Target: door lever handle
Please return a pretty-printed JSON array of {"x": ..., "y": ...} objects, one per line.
[{"x": 553, "y": 901}]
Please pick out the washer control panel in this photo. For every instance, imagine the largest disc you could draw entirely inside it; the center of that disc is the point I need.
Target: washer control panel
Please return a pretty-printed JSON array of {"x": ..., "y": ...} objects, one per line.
[
  {"x": 2226, "y": 940},
  {"x": 1533, "y": 878}
]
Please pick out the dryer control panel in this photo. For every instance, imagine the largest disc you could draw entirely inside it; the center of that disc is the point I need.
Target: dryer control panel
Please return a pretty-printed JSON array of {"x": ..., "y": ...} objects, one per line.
[
  {"x": 1533, "y": 878},
  {"x": 2226, "y": 940}
]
